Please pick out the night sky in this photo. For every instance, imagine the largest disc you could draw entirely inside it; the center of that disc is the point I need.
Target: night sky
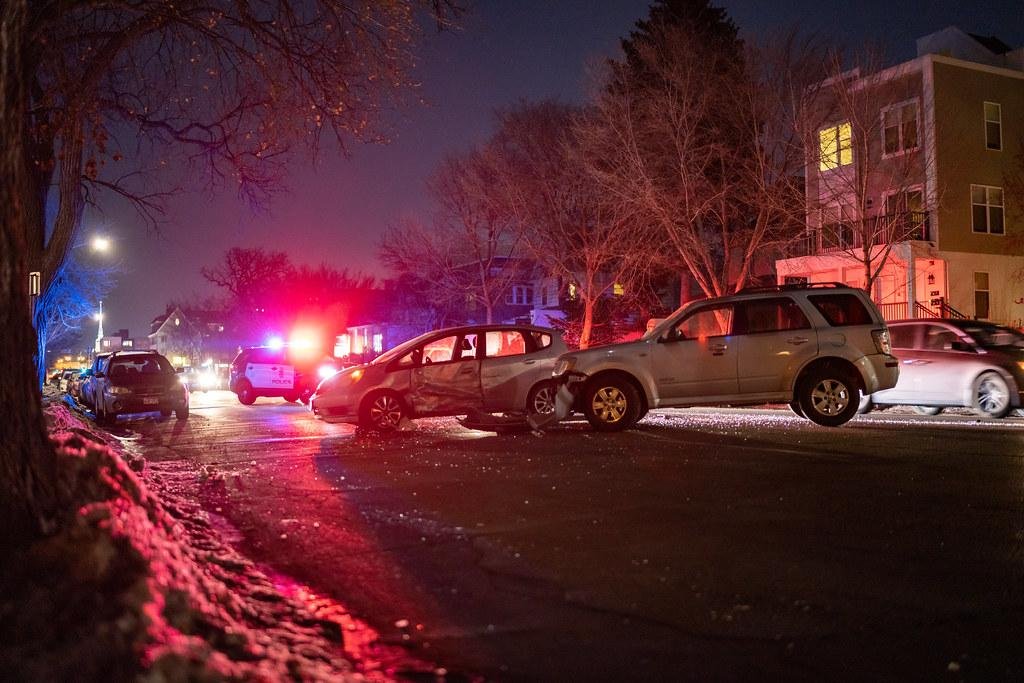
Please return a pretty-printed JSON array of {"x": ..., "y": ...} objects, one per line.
[{"x": 336, "y": 209}]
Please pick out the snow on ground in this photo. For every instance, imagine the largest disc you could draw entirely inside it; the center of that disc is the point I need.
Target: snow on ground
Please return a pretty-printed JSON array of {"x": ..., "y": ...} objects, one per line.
[{"x": 137, "y": 584}]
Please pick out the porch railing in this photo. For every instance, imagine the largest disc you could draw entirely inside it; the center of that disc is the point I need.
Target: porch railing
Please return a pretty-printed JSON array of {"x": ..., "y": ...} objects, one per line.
[{"x": 888, "y": 229}]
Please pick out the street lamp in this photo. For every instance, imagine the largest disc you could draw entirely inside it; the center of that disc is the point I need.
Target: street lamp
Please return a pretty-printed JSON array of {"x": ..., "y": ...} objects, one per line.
[{"x": 100, "y": 243}]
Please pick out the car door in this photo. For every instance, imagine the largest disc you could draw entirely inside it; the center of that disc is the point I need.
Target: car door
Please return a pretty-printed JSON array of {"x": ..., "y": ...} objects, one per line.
[
  {"x": 941, "y": 368},
  {"x": 269, "y": 371},
  {"x": 509, "y": 368},
  {"x": 447, "y": 379},
  {"x": 695, "y": 359},
  {"x": 774, "y": 338},
  {"x": 906, "y": 347}
]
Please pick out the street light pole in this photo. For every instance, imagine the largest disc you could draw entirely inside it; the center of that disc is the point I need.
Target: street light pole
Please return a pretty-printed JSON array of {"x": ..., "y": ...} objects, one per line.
[{"x": 99, "y": 328}]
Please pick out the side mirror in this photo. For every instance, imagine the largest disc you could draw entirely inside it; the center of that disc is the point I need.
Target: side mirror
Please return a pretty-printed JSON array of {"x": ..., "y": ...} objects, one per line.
[{"x": 958, "y": 346}]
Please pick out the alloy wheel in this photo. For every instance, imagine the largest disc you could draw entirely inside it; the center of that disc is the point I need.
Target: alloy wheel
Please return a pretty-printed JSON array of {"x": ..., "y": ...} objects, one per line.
[
  {"x": 992, "y": 397},
  {"x": 543, "y": 401},
  {"x": 609, "y": 404},
  {"x": 830, "y": 397},
  {"x": 386, "y": 411}
]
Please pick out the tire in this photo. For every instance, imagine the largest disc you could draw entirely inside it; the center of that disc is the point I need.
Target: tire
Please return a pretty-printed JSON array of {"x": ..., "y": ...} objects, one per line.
[
  {"x": 382, "y": 411},
  {"x": 930, "y": 411},
  {"x": 797, "y": 410},
  {"x": 181, "y": 413},
  {"x": 828, "y": 396},
  {"x": 246, "y": 395},
  {"x": 541, "y": 399},
  {"x": 291, "y": 398},
  {"x": 612, "y": 404},
  {"x": 866, "y": 405},
  {"x": 165, "y": 412},
  {"x": 991, "y": 396}
]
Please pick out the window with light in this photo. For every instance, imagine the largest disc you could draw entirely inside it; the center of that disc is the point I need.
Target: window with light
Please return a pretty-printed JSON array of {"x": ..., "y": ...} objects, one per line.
[
  {"x": 900, "y": 128},
  {"x": 835, "y": 145}
]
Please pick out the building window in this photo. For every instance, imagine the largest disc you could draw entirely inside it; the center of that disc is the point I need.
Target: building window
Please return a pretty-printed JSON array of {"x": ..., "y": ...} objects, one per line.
[
  {"x": 836, "y": 228},
  {"x": 899, "y": 128},
  {"x": 981, "y": 295},
  {"x": 836, "y": 146},
  {"x": 520, "y": 295},
  {"x": 378, "y": 343},
  {"x": 126, "y": 343},
  {"x": 618, "y": 289},
  {"x": 572, "y": 291},
  {"x": 987, "y": 209},
  {"x": 993, "y": 126},
  {"x": 905, "y": 216}
]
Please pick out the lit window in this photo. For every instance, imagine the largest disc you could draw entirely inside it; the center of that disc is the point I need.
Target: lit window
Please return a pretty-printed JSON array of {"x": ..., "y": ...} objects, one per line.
[
  {"x": 177, "y": 321},
  {"x": 993, "y": 126},
  {"x": 618, "y": 289},
  {"x": 987, "y": 209},
  {"x": 378, "y": 343},
  {"x": 836, "y": 146},
  {"x": 900, "y": 128},
  {"x": 572, "y": 291}
]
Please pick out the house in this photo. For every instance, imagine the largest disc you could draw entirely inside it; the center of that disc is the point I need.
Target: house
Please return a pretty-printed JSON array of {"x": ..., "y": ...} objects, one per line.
[
  {"x": 189, "y": 337},
  {"x": 912, "y": 195}
]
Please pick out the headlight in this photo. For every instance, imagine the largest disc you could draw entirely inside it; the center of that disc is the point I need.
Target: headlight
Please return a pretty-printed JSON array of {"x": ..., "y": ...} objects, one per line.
[
  {"x": 562, "y": 366},
  {"x": 207, "y": 380},
  {"x": 120, "y": 391},
  {"x": 326, "y": 371},
  {"x": 1020, "y": 365}
]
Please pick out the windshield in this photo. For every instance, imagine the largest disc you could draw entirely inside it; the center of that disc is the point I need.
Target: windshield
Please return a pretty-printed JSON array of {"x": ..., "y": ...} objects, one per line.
[
  {"x": 995, "y": 335},
  {"x": 134, "y": 368}
]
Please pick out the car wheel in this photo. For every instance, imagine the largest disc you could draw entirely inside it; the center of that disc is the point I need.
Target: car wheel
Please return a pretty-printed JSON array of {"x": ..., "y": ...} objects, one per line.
[
  {"x": 305, "y": 396},
  {"x": 181, "y": 413},
  {"x": 291, "y": 398},
  {"x": 930, "y": 411},
  {"x": 991, "y": 395},
  {"x": 828, "y": 397},
  {"x": 541, "y": 400},
  {"x": 246, "y": 395},
  {"x": 797, "y": 410},
  {"x": 866, "y": 405},
  {"x": 165, "y": 412},
  {"x": 382, "y": 412},
  {"x": 611, "y": 405}
]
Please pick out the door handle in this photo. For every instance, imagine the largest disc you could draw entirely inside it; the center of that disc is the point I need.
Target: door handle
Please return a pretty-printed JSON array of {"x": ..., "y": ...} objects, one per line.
[
  {"x": 797, "y": 341},
  {"x": 718, "y": 349},
  {"x": 529, "y": 362}
]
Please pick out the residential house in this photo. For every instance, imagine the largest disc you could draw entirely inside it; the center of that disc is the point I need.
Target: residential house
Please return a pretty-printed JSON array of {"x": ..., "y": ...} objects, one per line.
[
  {"x": 945, "y": 236},
  {"x": 190, "y": 337}
]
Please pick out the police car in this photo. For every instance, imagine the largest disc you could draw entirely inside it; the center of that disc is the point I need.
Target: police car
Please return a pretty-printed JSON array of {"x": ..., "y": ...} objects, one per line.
[{"x": 278, "y": 371}]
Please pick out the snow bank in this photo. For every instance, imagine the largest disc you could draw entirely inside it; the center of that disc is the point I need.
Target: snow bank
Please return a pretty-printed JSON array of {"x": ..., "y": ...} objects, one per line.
[{"x": 136, "y": 587}]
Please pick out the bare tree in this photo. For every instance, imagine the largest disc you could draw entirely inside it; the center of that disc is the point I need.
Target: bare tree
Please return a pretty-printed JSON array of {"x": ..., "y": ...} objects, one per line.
[
  {"x": 865, "y": 181},
  {"x": 248, "y": 274},
  {"x": 471, "y": 253},
  {"x": 578, "y": 234},
  {"x": 230, "y": 89},
  {"x": 73, "y": 296},
  {"x": 703, "y": 143}
]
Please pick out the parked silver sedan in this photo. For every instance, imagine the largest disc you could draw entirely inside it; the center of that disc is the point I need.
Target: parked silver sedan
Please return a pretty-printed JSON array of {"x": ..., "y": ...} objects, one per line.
[
  {"x": 491, "y": 368},
  {"x": 947, "y": 363}
]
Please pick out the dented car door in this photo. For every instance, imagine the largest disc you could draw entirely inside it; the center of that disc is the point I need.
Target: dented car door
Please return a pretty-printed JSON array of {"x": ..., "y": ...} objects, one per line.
[{"x": 447, "y": 380}]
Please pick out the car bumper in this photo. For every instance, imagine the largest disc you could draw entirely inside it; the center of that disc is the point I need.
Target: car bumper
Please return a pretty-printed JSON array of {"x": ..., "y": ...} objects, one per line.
[
  {"x": 333, "y": 412},
  {"x": 880, "y": 371},
  {"x": 132, "y": 404}
]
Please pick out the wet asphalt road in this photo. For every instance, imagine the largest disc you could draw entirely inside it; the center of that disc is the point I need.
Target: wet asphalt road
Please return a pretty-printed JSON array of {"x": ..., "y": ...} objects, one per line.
[{"x": 704, "y": 544}]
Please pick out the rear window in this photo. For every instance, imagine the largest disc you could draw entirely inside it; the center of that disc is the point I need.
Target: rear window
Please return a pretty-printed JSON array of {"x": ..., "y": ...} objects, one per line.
[
  {"x": 841, "y": 310},
  {"x": 770, "y": 315},
  {"x": 902, "y": 336}
]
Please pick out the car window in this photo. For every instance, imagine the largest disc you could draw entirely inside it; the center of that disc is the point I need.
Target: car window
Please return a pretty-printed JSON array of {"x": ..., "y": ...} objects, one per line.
[
  {"x": 140, "y": 366},
  {"x": 938, "y": 338},
  {"x": 995, "y": 335},
  {"x": 903, "y": 336},
  {"x": 770, "y": 315},
  {"x": 840, "y": 310},
  {"x": 540, "y": 340},
  {"x": 440, "y": 350},
  {"x": 712, "y": 321},
  {"x": 500, "y": 343},
  {"x": 267, "y": 356}
]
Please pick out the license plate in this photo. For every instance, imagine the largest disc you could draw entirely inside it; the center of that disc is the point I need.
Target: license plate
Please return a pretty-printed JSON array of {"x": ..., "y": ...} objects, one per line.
[{"x": 150, "y": 401}]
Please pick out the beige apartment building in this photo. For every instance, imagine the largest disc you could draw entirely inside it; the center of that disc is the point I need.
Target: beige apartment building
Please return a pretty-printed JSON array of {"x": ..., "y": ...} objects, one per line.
[{"x": 916, "y": 163}]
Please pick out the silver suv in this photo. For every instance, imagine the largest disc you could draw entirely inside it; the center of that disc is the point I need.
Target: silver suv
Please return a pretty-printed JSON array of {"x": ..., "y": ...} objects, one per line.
[{"x": 817, "y": 347}]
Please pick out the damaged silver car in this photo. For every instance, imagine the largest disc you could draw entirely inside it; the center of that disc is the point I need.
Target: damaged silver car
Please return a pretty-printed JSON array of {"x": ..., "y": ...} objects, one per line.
[{"x": 456, "y": 371}]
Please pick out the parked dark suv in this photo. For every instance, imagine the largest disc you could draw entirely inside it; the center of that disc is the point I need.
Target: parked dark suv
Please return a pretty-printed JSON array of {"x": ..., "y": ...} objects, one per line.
[{"x": 135, "y": 382}]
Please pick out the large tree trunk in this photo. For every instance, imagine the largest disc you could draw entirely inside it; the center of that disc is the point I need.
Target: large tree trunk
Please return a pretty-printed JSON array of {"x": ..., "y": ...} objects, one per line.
[
  {"x": 588, "y": 323},
  {"x": 27, "y": 462}
]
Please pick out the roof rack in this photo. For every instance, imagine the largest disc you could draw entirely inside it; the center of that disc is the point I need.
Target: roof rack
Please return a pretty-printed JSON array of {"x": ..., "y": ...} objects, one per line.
[{"x": 792, "y": 287}]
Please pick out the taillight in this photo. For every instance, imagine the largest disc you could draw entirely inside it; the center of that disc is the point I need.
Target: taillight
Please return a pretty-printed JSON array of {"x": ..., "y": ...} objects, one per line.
[{"x": 882, "y": 342}]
